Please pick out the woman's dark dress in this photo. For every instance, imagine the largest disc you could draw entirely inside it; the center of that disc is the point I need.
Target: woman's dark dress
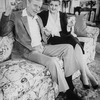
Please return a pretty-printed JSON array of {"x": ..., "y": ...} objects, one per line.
[{"x": 66, "y": 37}]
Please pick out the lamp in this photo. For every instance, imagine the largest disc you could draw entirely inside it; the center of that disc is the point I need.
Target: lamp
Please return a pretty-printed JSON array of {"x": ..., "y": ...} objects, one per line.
[
  {"x": 65, "y": 3},
  {"x": 91, "y": 3}
]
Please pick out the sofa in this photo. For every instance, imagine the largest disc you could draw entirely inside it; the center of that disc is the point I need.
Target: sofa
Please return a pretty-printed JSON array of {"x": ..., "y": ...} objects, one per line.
[{"x": 21, "y": 79}]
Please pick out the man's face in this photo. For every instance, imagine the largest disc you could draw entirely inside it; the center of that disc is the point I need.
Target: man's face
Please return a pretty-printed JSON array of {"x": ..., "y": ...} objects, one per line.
[
  {"x": 54, "y": 6},
  {"x": 35, "y": 6}
]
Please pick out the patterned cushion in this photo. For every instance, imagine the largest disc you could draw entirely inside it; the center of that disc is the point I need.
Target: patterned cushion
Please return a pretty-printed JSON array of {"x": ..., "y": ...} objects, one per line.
[
  {"x": 25, "y": 80},
  {"x": 6, "y": 44}
]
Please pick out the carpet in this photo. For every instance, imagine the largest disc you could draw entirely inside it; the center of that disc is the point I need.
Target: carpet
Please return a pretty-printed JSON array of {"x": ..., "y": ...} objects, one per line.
[{"x": 89, "y": 94}]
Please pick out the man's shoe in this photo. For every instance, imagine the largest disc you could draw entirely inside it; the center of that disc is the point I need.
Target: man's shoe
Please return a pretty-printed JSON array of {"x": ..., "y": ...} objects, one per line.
[
  {"x": 61, "y": 96},
  {"x": 72, "y": 96}
]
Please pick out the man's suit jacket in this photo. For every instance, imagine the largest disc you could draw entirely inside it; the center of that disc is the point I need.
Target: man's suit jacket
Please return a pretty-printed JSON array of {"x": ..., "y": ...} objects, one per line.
[
  {"x": 19, "y": 25},
  {"x": 63, "y": 21}
]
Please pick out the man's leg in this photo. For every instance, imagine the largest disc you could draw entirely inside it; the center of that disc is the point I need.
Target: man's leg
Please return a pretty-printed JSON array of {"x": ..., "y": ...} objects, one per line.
[
  {"x": 52, "y": 64},
  {"x": 66, "y": 53},
  {"x": 43, "y": 60}
]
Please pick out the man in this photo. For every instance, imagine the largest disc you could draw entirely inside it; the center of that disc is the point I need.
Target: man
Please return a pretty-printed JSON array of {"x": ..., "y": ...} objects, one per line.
[{"x": 30, "y": 42}]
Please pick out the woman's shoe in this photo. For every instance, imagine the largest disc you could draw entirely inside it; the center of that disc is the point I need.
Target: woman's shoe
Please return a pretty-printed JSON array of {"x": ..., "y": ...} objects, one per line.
[
  {"x": 85, "y": 86},
  {"x": 96, "y": 86}
]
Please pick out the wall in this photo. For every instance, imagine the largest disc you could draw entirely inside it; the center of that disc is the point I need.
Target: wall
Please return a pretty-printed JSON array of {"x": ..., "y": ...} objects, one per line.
[
  {"x": 74, "y": 3},
  {"x": 2, "y": 6},
  {"x": 98, "y": 11}
]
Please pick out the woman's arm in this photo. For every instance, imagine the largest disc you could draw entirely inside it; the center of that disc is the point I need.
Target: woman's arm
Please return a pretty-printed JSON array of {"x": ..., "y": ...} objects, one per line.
[
  {"x": 6, "y": 24},
  {"x": 63, "y": 22}
]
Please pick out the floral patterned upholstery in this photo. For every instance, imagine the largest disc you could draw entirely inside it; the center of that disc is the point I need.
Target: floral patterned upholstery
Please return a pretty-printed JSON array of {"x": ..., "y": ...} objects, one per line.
[
  {"x": 25, "y": 80},
  {"x": 6, "y": 45},
  {"x": 22, "y": 79},
  {"x": 89, "y": 48},
  {"x": 90, "y": 43}
]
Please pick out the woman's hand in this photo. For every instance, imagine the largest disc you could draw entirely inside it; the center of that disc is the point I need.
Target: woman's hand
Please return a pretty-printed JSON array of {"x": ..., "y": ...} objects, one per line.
[{"x": 47, "y": 32}]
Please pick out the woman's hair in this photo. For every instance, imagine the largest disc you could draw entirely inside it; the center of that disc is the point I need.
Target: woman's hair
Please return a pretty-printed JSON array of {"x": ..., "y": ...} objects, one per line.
[
  {"x": 54, "y": 0},
  {"x": 31, "y": 0}
]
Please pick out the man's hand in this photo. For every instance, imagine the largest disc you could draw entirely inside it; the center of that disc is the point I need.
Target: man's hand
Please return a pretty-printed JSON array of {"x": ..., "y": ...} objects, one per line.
[
  {"x": 8, "y": 11},
  {"x": 10, "y": 8}
]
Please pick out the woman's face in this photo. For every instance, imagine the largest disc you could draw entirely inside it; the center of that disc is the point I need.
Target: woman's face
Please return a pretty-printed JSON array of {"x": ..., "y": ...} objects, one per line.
[{"x": 54, "y": 6}]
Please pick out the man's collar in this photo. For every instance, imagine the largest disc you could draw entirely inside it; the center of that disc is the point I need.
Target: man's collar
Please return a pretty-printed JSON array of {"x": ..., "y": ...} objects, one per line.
[{"x": 24, "y": 13}]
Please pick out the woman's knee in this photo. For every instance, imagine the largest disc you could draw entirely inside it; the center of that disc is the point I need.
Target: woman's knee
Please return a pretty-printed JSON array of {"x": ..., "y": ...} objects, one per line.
[
  {"x": 78, "y": 50},
  {"x": 68, "y": 49},
  {"x": 69, "y": 46}
]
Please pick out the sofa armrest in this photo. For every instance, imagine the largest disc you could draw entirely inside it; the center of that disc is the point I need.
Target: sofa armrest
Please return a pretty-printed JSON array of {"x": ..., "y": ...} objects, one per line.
[
  {"x": 6, "y": 46},
  {"x": 89, "y": 48}
]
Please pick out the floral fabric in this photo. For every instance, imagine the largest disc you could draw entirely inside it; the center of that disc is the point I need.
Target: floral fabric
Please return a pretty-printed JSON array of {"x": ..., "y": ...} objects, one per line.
[
  {"x": 89, "y": 48},
  {"x": 6, "y": 45},
  {"x": 25, "y": 80}
]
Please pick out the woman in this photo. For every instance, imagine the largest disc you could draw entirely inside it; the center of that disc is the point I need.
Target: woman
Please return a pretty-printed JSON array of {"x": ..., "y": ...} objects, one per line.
[{"x": 55, "y": 24}]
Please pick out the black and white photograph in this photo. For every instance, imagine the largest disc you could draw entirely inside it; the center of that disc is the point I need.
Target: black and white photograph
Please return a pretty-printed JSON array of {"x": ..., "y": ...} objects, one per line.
[{"x": 49, "y": 49}]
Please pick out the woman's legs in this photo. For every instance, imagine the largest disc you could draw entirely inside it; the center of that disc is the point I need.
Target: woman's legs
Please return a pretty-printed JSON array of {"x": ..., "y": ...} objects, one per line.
[
  {"x": 79, "y": 58},
  {"x": 85, "y": 72},
  {"x": 91, "y": 77}
]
